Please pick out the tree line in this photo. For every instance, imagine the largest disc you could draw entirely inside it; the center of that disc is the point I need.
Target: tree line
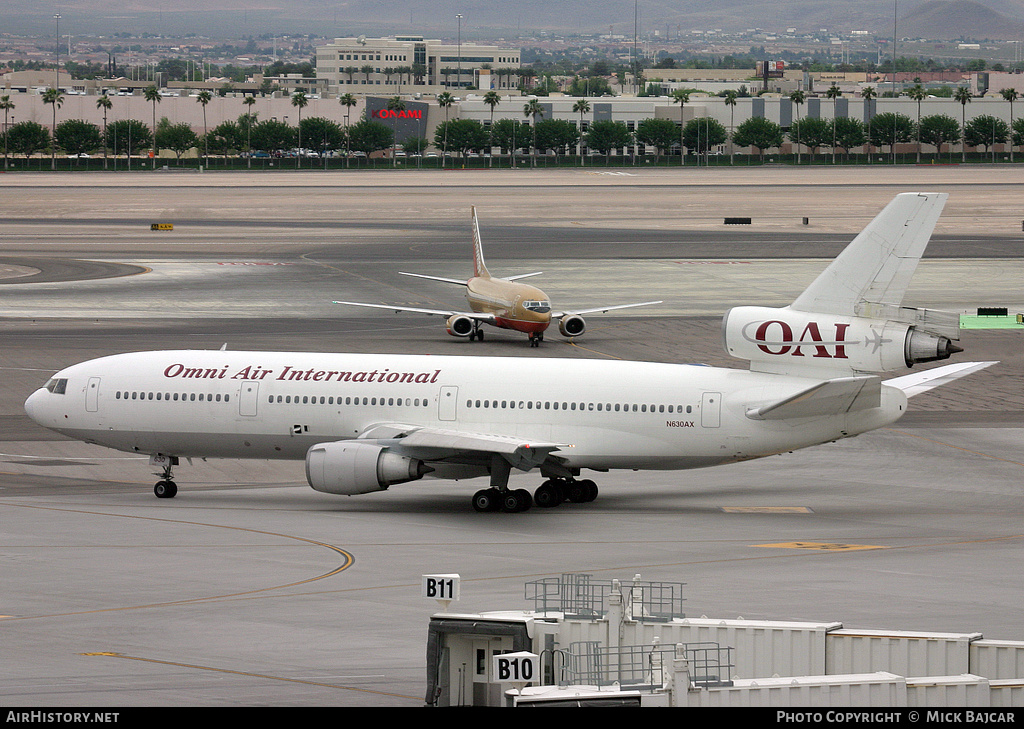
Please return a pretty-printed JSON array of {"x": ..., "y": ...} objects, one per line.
[{"x": 317, "y": 136}]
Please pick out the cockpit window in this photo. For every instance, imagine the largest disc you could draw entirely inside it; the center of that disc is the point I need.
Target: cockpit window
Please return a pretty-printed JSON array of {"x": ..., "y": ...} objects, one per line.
[
  {"x": 541, "y": 307},
  {"x": 57, "y": 385}
]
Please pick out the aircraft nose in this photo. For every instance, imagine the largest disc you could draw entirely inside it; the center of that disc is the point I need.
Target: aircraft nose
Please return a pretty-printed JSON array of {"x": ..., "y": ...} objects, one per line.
[{"x": 34, "y": 406}]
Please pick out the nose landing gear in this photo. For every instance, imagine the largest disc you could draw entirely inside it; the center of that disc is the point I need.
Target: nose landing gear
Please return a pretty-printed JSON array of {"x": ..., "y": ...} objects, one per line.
[{"x": 165, "y": 488}]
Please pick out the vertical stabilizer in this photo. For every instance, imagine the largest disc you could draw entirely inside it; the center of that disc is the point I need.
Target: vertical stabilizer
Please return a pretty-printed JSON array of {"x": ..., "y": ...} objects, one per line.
[
  {"x": 479, "y": 267},
  {"x": 851, "y": 318},
  {"x": 878, "y": 264}
]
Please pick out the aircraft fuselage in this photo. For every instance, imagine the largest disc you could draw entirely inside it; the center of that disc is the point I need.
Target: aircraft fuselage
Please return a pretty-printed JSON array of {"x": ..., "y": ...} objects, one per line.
[
  {"x": 609, "y": 415},
  {"x": 516, "y": 306}
]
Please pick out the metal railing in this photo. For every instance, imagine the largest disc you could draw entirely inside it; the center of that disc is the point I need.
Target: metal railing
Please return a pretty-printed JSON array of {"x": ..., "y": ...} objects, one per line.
[
  {"x": 645, "y": 667},
  {"x": 581, "y": 596}
]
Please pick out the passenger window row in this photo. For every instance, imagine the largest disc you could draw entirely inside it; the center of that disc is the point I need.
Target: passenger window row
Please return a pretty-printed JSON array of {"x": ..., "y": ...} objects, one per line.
[
  {"x": 172, "y": 396},
  {"x": 331, "y": 400},
  {"x": 580, "y": 407}
]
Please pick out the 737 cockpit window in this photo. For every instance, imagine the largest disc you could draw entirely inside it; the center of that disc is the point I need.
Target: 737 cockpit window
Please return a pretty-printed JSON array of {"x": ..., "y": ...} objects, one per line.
[
  {"x": 541, "y": 307},
  {"x": 57, "y": 385}
]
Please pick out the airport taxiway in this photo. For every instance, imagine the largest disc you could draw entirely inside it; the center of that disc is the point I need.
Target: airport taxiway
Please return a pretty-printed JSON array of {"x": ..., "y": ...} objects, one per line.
[{"x": 251, "y": 589}]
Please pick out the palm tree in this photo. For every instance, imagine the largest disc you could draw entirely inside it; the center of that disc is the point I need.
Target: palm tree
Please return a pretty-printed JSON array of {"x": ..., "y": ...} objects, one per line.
[
  {"x": 833, "y": 93},
  {"x": 730, "y": 101},
  {"x": 868, "y": 93},
  {"x": 104, "y": 102},
  {"x": 299, "y": 101},
  {"x": 395, "y": 105},
  {"x": 348, "y": 101},
  {"x": 152, "y": 95},
  {"x": 55, "y": 98},
  {"x": 798, "y": 97},
  {"x": 918, "y": 94},
  {"x": 679, "y": 96},
  {"x": 533, "y": 108},
  {"x": 445, "y": 100},
  {"x": 7, "y": 105},
  {"x": 248, "y": 101},
  {"x": 963, "y": 95},
  {"x": 1010, "y": 95},
  {"x": 582, "y": 107},
  {"x": 492, "y": 99},
  {"x": 204, "y": 98}
]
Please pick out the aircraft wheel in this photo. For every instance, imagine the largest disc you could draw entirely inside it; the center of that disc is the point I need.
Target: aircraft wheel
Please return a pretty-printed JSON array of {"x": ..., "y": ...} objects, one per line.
[
  {"x": 165, "y": 489},
  {"x": 515, "y": 501},
  {"x": 486, "y": 500},
  {"x": 525, "y": 497},
  {"x": 577, "y": 492},
  {"x": 548, "y": 495},
  {"x": 589, "y": 490},
  {"x": 480, "y": 336}
]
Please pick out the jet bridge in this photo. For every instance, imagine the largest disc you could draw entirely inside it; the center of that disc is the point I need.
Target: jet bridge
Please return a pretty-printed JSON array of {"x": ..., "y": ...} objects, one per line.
[{"x": 628, "y": 643}]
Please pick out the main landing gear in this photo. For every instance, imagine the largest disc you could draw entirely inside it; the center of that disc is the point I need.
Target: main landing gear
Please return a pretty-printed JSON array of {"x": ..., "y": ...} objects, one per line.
[
  {"x": 165, "y": 488},
  {"x": 477, "y": 332},
  {"x": 549, "y": 494}
]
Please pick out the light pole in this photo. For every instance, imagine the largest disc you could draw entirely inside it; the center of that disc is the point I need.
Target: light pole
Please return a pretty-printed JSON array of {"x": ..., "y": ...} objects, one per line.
[
  {"x": 56, "y": 77},
  {"x": 458, "y": 77}
]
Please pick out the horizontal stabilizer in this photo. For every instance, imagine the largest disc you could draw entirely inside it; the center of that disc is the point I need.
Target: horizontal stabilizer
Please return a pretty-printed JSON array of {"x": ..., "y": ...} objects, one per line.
[
  {"x": 442, "y": 279},
  {"x": 831, "y": 397},
  {"x": 918, "y": 382}
]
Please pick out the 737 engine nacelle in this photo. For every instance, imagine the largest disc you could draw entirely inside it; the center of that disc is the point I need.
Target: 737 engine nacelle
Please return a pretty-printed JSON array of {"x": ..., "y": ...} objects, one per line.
[
  {"x": 789, "y": 339},
  {"x": 459, "y": 325},
  {"x": 351, "y": 467},
  {"x": 572, "y": 325}
]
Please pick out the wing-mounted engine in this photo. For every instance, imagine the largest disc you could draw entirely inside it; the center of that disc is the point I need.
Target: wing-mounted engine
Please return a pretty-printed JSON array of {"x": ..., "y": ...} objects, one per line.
[
  {"x": 880, "y": 339},
  {"x": 572, "y": 325},
  {"x": 460, "y": 325},
  {"x": 352, "y": 467}
]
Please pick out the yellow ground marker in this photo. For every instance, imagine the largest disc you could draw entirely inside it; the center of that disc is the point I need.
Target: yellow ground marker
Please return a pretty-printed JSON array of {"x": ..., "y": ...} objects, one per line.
[{"x": 823, "y": 546}]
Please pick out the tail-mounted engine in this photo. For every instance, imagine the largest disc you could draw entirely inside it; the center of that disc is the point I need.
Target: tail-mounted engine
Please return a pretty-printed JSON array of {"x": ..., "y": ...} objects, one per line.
[
  {"x": 352, "y": 467},
  {"x": 572, "y": 325},
  {"x": 880, "y": 339},
  {"x": 460, "y": 325}
]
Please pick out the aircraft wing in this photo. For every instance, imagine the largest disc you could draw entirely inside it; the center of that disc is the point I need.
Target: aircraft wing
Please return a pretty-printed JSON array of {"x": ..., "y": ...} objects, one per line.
[
  {"x": 487, "y": 318},
  {"x": 431, "y": 443},
  {"x": 830, "y": 397},
  {"x": 600, "y": 309},
  {"x": 918, "y": 382}
]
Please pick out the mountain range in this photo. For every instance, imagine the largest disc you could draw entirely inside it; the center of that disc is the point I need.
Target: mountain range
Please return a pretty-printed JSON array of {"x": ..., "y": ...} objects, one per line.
[{"x": 933, "y": 19}]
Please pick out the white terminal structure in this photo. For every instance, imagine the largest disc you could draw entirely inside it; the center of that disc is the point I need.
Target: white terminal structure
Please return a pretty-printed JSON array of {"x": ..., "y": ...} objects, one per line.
[
  {"x": 590, "y": 642},
  {"x": 362, "y": 65}
]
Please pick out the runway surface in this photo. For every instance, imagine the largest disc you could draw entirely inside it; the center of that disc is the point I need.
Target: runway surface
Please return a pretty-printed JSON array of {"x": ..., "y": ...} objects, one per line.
[{"x": 251, "y": 589}]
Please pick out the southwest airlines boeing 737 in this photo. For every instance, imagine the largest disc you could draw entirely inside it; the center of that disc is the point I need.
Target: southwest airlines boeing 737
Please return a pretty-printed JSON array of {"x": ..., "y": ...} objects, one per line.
[
  {"x": 365, "y": 422},
  {"x": 502, "y": 302}
]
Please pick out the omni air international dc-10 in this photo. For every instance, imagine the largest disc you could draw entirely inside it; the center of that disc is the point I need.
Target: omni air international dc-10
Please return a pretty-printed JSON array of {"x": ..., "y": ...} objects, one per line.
[
  {"x": 364, "y": 422},
  {"x": 502, "y": 302}
]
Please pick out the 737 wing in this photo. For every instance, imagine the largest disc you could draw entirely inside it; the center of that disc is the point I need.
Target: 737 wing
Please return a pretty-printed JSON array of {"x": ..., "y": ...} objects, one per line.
[
  {"x": 600, "y": 309},
  {"x": 475, "y": 315}
]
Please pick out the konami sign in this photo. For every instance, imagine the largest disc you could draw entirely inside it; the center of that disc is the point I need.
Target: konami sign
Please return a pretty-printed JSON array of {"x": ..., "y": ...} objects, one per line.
[{"x": 393, "y": 114}]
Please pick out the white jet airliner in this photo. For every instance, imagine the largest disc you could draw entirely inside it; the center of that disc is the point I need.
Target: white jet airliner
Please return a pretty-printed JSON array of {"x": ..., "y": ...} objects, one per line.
[{"x": 363, "y": 422}]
